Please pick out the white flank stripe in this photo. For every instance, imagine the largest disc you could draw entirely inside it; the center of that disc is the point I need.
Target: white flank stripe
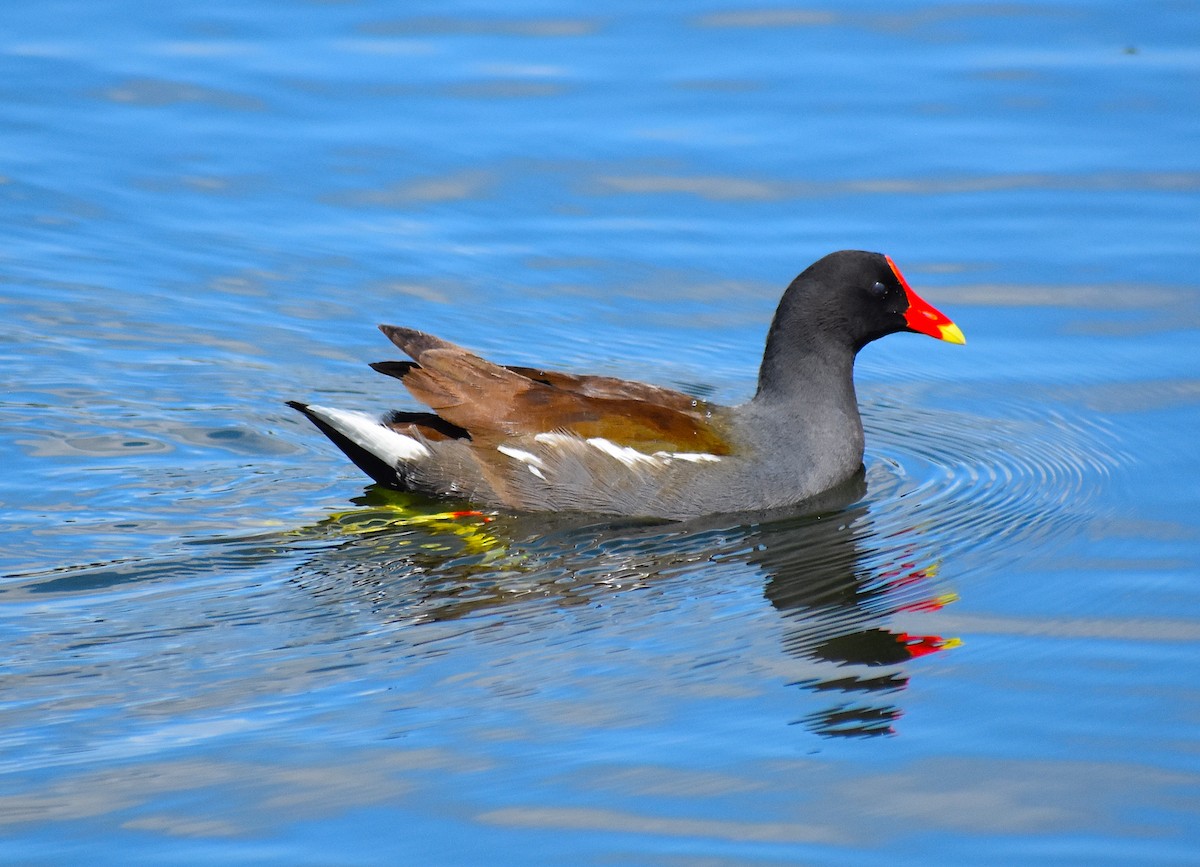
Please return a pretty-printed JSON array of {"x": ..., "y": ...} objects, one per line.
[
  {"x": 626, "y": 455},
  {"x": 368, "y": 432},
  {"x": 529, "y": 459},
  {"x": 630, "y": 457},
  {"x": 521, "y": 455},
  {"x": 694, "y": 457},
  {"x": 556, "y": 439}
]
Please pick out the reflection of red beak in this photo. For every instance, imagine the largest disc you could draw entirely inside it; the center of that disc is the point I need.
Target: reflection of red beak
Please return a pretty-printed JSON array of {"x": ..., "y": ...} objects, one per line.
[
  {"x": 922, "y": 645},
  {"x": 923, "y": 318}
]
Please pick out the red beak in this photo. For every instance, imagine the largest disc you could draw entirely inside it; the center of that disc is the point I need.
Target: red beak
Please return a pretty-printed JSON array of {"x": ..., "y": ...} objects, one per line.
[{"x": 923, "y": 317}]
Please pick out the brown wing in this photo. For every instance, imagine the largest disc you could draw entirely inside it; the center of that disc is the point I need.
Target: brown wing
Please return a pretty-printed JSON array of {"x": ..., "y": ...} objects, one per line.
[
  {"x": 493, "y": 403},
  {"x": 588, "y": 386},
  {"x": 616, "y": 389}
]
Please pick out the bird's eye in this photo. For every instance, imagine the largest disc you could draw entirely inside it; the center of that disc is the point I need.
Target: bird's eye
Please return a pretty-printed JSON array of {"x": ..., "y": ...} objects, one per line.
[{"x": 878, "y": 290}]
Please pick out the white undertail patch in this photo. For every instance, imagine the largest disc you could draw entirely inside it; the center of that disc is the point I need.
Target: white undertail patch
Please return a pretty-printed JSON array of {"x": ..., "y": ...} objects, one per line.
[{"x": 372, "y": 435}]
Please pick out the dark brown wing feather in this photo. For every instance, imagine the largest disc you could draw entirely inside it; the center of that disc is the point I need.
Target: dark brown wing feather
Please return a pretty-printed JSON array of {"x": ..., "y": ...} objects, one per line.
[
  {"x": 424, "y": 424},
  {"x": 617, "y": 389},
  {"x": 397, "y": 369},
  {"x": 494, "y": 403},
  {"x": 588, "y": 386}
]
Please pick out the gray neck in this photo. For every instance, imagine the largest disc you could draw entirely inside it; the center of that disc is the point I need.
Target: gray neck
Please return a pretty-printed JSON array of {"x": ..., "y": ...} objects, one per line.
[
  {"x": 809, "y": 371},
  {"x": 805, "y": 413}
]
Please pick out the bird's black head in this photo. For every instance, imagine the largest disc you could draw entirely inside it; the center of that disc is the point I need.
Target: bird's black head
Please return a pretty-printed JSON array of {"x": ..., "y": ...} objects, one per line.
[
  {"x": 854, "y": 297},
  {"x": 841, "y": 303}
]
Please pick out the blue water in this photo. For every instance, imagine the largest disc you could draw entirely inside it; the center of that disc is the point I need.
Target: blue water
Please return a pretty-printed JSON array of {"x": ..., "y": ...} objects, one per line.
[{"x": 223, "y": 646}]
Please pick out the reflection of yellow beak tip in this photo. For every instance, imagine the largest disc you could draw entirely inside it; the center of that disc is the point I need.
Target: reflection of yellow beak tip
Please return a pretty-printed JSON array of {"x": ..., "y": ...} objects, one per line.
[{"x": 951, "y": 333}]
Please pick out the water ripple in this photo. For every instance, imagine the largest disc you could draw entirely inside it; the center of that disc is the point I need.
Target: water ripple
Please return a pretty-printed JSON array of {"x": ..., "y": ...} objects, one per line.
[
  {"x": 836, "y": 586},
  {"x": 1011, "y": 479}
]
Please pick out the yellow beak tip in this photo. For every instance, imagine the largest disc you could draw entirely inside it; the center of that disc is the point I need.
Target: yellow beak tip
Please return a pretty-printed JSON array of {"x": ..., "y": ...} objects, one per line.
[{"x": 951, "y": 334}]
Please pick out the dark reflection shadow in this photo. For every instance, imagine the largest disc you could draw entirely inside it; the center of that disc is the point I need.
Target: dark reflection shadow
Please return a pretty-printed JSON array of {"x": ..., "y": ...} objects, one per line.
[
  {"x": 835, "y": 583},
  {"x": 837, "y": 591}
]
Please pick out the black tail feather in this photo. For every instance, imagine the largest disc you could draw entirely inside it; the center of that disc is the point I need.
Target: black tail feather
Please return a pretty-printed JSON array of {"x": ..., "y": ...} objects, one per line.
[{"x": 397, "y": 369}]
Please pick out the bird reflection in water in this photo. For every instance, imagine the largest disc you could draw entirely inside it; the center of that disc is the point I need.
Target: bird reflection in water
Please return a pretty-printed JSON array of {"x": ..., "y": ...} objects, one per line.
[
  {"x": 837, "y": 595},
  {"x": 833, "y": 579}
]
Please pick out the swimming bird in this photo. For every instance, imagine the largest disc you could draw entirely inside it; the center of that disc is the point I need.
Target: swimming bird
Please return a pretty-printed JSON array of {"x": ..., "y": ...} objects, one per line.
[{"x": 528, "y": 439}]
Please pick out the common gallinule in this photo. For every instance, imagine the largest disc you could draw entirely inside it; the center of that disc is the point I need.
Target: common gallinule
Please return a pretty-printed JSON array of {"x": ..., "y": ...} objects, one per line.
[{"x": 538, "y": 440}]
